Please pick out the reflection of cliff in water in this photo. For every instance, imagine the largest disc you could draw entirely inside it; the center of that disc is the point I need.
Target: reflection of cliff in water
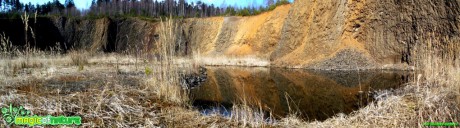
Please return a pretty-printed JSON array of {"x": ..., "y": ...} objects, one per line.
[{"x": 315, "y": 94}]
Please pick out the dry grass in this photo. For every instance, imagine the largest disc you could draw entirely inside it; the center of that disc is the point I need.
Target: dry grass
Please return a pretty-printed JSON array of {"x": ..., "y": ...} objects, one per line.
[
  {"x": 247, "y": 116},
  {"x": 438, "y": 83},
  {"x": 6, "y": 47},
  {"x": 25, "y": 21},
  {"x": 101, "y": 96},
  {"x": 165, "y": 83},
  {"x": 79, "y": 58},
  {"x": 108, "y": 101},
  {"x": 247, "y": 61}
]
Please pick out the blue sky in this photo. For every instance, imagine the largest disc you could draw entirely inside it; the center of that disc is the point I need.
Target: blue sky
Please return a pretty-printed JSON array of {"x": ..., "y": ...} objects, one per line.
[
  {"x": 83, "y": 4},
  {"x": 79, "y": 3}
]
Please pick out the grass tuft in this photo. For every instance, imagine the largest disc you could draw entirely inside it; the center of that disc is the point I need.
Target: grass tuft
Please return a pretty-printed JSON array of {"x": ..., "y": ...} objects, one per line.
[{"x": 79, "y": 58}]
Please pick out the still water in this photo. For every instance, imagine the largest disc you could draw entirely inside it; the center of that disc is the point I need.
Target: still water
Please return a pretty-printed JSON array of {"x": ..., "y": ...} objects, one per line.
[{"x": 312, "y": 94}]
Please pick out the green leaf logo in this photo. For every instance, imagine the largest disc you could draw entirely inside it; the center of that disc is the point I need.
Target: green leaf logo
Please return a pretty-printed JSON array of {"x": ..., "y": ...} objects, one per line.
[
  {"x": 4, "y": 111},
  {"x": 11, "y": 112}
]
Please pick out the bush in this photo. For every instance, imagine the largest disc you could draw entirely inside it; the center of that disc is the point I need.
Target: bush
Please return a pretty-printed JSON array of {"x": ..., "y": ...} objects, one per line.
[{"x": 244, "y": 12}]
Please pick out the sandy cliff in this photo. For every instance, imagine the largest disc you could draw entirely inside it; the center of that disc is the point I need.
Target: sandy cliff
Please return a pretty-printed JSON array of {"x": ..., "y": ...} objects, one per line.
[
  {"x": 331, "y": 34},
  {"x": 348, "y": 34},
  {"x": 237, "y": 36}
]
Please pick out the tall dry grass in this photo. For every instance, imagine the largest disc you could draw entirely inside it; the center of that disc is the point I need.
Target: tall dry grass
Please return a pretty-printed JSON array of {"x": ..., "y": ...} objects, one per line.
[
  {"x": 6, "y": 46},
  {"x": 25, "y": 21},
  {"x": 166, "y": 77},
  {"x": 15, "y": 60},
  {"x": 247, "y": 61},
  {"x": 437, "y": 83}
]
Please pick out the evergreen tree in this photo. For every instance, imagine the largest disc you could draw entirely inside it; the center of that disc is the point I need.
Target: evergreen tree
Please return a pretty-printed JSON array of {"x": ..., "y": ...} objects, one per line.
[
  {"x": 17, "y": 5},
  {"x": 69, "y": 4}
]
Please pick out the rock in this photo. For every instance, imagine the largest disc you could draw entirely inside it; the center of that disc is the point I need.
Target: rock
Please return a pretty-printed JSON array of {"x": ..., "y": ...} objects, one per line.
[{"x": 193, "y": 80}]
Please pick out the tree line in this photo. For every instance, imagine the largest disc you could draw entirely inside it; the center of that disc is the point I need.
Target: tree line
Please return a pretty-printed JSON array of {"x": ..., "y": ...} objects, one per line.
[
  {"x": 14, "y": 8},
  {"x": 145, "y": 8}
]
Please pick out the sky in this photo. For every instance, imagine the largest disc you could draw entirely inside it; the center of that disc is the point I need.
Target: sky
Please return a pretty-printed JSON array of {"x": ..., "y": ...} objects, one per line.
[
  {"x": 84, "y": 4},
  {"x": 81, "y": 4}
]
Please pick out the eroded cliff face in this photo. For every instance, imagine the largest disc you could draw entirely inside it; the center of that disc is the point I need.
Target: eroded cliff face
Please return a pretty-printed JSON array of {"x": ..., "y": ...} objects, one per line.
[
  {"x": 109, "y": 35},
  {"x": 326, "y": 34},
  {"x": 237, "y": 36},
  {"x": 397, "y": 27},
  {"x": 348, "y": 34},
  {"x": 311, "y": 33}
]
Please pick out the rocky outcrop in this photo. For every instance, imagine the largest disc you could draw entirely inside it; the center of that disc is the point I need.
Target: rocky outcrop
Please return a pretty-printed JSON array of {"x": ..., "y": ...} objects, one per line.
[
  {"x": 193, "y": 80},
  {"x": 391, "y": 29}
]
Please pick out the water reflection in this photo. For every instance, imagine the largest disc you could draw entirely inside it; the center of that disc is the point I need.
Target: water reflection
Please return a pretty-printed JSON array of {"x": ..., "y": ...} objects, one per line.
[{"x": 315, "y": 95}]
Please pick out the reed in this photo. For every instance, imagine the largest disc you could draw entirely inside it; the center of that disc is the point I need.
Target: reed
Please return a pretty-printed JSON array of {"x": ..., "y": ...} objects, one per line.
[
  {"x": 166, "y": 77},
  {"x": 6, "y": 47}
]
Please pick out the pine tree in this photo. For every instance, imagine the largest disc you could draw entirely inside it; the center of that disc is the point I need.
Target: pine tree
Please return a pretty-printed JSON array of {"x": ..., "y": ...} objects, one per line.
[
  {"x": 69, "y": 4},
  {"x": 17, "y": 5}
]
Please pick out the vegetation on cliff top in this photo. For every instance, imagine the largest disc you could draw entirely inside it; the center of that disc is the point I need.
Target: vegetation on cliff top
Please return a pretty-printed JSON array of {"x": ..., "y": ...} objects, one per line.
[{"x": 144, "y": 8}]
